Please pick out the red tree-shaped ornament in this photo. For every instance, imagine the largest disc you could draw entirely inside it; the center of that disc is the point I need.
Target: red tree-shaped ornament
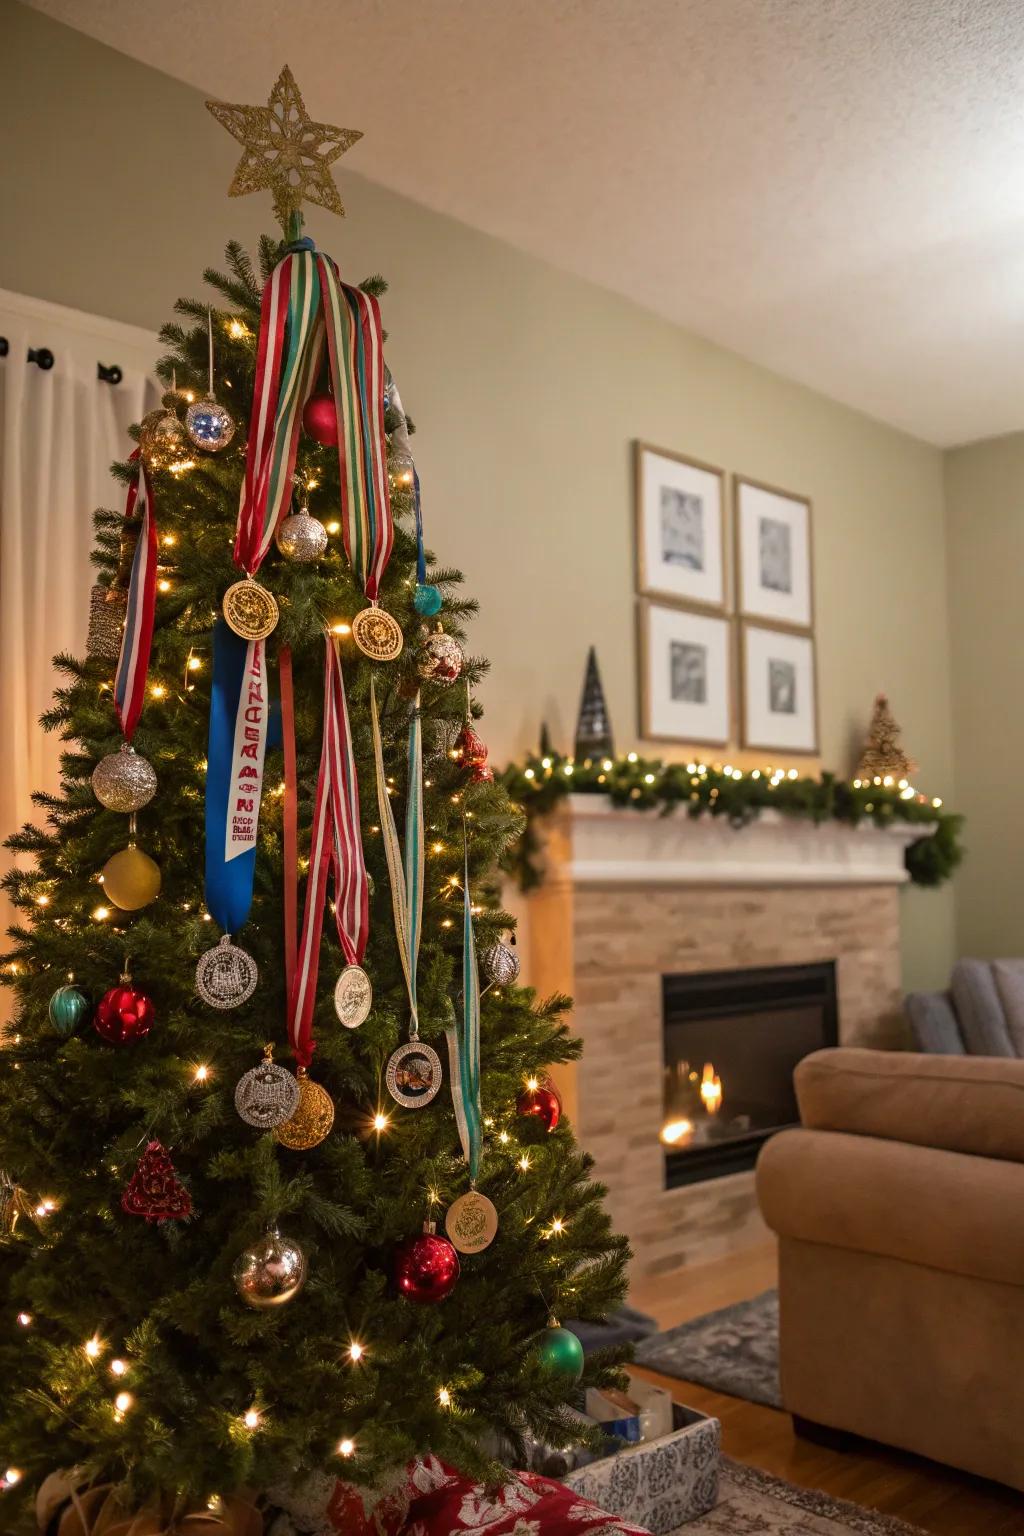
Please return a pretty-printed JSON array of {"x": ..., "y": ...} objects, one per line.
[
  {"x": 154, "y": 1190},
  {"x": 471, "y": 752}
]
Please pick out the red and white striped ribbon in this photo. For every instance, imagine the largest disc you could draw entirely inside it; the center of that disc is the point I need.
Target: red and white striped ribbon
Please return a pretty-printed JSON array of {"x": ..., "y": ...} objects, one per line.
[{"x": 335, "y": 840}]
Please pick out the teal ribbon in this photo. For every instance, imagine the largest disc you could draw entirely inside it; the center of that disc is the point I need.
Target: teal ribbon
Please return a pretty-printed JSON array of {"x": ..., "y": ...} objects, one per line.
[
  {"x": 464, "y": 1037},
  {"x": 406, "y": 882}
]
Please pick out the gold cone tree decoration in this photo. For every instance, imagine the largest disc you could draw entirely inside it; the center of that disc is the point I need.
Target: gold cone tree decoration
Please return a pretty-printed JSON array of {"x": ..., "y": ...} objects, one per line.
[{"x": 883, "y": 757}]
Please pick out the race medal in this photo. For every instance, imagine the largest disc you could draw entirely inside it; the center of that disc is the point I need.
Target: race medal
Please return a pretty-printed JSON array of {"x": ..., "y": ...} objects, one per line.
[
  {"x": 267, "y": 1095},
  {"x": 353, "y": 996},
  {"x": 312, "y": 1120},
  {"x": 250, "y": 610},
  {"x": 413, "y": 1074},
  {"x": 377, "y": 634},
  {"x": 471, "y": 1223},
  {"x": 226, "y": 976}
]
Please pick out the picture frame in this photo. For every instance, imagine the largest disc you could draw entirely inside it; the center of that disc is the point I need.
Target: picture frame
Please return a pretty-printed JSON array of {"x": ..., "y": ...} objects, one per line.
[
  {"x": 774, "y": 554},
  {"x": 680, "y": 528},
  {"x": 779, "y": 688},
  {"x": 686, "y": 674}
]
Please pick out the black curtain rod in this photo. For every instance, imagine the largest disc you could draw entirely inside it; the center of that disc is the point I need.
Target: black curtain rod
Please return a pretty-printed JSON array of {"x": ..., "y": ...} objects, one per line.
[{"x": 44, "y": 359}]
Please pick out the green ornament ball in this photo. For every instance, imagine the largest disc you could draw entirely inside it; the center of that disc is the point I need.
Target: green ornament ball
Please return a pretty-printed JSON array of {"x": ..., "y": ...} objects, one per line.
[
  {"x": 562, "y": 1353},
  {"x": 67, "y": 1010}
]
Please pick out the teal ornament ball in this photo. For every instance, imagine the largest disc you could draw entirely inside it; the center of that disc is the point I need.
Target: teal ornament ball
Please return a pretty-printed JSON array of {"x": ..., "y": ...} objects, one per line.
[
  {"x": 67, "y": 1010},
  {"x": 561, "y": 1353},
  {"x": 427, "y": 601}
]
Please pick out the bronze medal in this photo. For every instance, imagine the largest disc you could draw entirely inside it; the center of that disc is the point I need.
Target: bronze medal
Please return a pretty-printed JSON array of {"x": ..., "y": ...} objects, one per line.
[
  {"x": 413, "y": 1074},
  {"x": 311, "y": 1121},
  {"x": 353, "y": 996},
  {"x": 471, "y": 1222},
  {"x": 250, "y": 610},
  {"x": 378, "y": 634}
]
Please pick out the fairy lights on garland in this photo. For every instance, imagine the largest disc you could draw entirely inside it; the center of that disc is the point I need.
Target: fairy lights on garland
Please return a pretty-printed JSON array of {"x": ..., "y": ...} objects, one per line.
[{"x": 700, "y": 789}]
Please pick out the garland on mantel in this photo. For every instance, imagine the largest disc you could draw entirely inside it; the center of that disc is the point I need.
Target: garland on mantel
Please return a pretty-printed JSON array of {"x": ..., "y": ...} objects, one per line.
[{"x": 648, "y": 784}]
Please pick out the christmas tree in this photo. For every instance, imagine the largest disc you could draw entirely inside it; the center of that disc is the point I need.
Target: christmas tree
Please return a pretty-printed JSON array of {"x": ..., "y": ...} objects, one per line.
[
  {"x": 883, "y": 757},
  {"x": 213, "y": 1265},
  {"x": 593, "y": 727}
]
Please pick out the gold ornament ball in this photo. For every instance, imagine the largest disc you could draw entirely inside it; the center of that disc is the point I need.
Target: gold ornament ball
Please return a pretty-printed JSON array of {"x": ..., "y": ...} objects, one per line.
[
  {"x": 271, "y": 1272},
  {"x": 302, "y": 538},
  {"x": 163, "y": 441},
  {"x": 311, "y": 1122},
  {"x": 131, "y": 879}
]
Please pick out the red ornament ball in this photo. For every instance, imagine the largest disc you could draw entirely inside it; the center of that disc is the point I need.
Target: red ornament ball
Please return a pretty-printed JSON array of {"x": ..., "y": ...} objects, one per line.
[
  {"x": 123, "y": 1015},
  {"x": 320, "y": 420},
  {"x": 542, "y": 1103},
  {"x": 469, "y": 749},
  {"x": 426, "y": 1268}
]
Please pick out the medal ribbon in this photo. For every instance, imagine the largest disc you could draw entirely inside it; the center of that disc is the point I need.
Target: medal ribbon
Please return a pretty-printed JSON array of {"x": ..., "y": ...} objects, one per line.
[
  {"x": 464, "y": 1040},
  {"x": 406, "y": 881},
  {"x": 304, "y": 301},
  {"x": 335, "y": 841},
  {"x": 137, "y": 641},
  {"x": 236, "y": 750}
]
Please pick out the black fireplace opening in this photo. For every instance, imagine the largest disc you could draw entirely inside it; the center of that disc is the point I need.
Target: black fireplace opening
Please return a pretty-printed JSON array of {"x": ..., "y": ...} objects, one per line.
[{"x": 732, "y": 1040}]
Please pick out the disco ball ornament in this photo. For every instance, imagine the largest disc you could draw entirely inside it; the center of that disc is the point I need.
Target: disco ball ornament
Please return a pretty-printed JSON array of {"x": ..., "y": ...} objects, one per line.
[
  {"x": 123, "y": 1015},
  {"x": 426, "y": 1267},
  {"x": 540, "y": 1102},
  {"x": 320, "y": 420},
  {"x": 131, "y": 879},
  {"x": 427, "y": 600},
  {"x": 67, "y": 1009},
  {"x": 441, "y": 658},
  {"x": 561, "y": 1352},
  {"x": 302, "y": 538},
  {"x": 163, "y": 440},
  {"x": 123, "y": 781},
  {"x": 271, "y": 1272},
  {"x": 209, "y": 426},
  {"x": 499, "y": 965}
]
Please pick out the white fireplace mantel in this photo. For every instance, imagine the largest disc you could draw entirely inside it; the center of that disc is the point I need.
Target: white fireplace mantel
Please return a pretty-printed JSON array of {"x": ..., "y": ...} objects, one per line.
[{"x": 590, "y": 841}]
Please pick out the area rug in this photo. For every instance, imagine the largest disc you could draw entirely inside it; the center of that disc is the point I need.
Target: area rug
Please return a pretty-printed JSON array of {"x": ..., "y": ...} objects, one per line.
[
  {"x": 751, "y": 1503},
  {"x": 735, "y": 1350}
]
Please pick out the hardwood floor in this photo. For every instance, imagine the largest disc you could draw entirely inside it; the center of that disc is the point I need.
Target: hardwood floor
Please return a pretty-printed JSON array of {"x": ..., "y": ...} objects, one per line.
[{"x": 936, "y": 1499}]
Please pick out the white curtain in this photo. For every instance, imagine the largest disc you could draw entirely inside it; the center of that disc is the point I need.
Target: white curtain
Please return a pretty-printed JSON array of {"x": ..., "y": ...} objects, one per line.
[{"x": 60, "y": 429}]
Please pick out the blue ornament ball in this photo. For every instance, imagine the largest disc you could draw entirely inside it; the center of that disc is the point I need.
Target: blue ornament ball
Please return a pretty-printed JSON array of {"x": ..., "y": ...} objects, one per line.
[
  {"x": 427, "y": 601},
  {"x": 562, "y": 1353},
  {"x": 209, "y": 425},
  {"x": 67, "y": 1010}
]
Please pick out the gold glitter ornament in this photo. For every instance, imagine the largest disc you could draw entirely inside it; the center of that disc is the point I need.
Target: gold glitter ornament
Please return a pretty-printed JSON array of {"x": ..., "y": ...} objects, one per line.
[
  {"x": 310, "y": 1123},
  {"x": 124, "y": 781},
  {"x": 285, "y": 150},
  {"x": 163, "y": 442}
]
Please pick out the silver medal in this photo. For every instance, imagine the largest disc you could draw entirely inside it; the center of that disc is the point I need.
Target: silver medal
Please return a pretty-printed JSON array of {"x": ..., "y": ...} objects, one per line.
[
  {"x": 267, "y": 1095},
  {"x": 353, "y": 996},
  {"x": 413, "y": 1074},
  {"x": 226, "y": 976}
]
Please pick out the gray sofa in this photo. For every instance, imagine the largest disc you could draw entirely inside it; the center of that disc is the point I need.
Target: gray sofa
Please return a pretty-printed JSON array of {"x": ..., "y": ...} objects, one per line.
[{"x": 982, "y": 1014}]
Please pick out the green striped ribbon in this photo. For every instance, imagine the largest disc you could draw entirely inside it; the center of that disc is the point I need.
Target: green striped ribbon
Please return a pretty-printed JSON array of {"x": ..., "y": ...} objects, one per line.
[
  {"x": 406, "y": 879},
  {"x": 464, "y": 1039}
]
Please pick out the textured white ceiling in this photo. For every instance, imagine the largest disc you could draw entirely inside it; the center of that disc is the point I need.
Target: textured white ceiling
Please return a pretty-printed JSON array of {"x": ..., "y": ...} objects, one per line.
[{"x": 833, "y": 188}]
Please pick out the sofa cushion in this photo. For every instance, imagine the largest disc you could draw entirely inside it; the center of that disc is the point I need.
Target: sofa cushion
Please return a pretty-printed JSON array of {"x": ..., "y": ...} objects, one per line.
[
  {"x": 940, "y": 1209},
  {"x": 933, "y": 1023},
  {"x": 971, "y": 1104},
  {"x": 1009, "y": 979},
  {"x": 982, "y": 1022}
]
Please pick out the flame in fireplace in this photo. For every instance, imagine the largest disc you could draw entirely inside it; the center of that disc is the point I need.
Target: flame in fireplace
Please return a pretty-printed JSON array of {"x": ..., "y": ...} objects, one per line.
[
  {"x": 711, "y": 1089},
  {"x": 674, "y": 1131}
]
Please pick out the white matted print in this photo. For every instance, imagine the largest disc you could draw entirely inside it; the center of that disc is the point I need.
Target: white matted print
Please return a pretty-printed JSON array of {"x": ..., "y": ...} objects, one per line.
[
  {"x": 680, "y": 521},
  {"x": 773, "y": 555},
  {"x": 780, "y": 706},
  {"x": 685, "y": 675}
]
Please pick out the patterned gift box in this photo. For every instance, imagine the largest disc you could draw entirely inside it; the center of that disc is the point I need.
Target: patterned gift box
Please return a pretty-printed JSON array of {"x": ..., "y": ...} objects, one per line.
[{"x": 658, "y": 1484}]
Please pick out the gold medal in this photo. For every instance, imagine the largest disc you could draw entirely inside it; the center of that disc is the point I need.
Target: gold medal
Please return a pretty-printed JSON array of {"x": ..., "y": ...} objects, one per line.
[
  {"x": 250, "y": 610},
  {"x": 311, "y": 1122},
  {"x": 471, "y": 1222},
  {"x": 353, "y": 996},
  {"x": 377, "y": 634}
]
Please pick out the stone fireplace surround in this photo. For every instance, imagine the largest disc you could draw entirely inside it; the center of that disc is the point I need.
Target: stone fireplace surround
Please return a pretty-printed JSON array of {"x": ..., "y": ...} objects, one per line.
[{"x": 631, "y": 896}]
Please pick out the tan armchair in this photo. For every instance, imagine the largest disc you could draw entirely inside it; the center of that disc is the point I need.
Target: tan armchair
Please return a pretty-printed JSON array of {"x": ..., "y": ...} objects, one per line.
[{"x": 899, "y": 1207}]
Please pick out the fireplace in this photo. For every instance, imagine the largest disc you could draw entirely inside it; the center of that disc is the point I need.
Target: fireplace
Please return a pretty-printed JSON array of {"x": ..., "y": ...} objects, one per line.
[{"x": 731, "y": 1042}]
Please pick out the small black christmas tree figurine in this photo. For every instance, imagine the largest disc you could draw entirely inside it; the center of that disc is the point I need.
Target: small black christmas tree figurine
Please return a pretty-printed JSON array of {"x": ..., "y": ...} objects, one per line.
[
  {"x": 883, "y": 757},
  {"x": 593, "y": 727},
  {"x": 546, "y": 749}
]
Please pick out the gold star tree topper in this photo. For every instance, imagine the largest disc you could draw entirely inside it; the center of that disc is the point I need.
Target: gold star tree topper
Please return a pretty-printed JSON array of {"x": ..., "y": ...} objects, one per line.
[{"x": 285, "y": 150}]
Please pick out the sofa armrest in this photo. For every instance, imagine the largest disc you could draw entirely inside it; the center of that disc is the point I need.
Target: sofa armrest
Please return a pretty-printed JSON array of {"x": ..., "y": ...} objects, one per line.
[{"x": 969, "y": 1104}]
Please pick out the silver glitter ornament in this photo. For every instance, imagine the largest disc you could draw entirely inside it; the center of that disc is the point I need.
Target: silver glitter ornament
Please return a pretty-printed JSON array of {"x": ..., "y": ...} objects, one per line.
[
  {"x": 226, "y": 976},
  {"x": 302, "y": 538},
  {"x": 271, "y": 1272},
  {"x": 209, "y": 426},
  {"x": 123, "y": 781},
  {"x": 267, "y": 1095},
  {"x": 499, "y": 965},
  {"x": 441, "y": 658}
]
